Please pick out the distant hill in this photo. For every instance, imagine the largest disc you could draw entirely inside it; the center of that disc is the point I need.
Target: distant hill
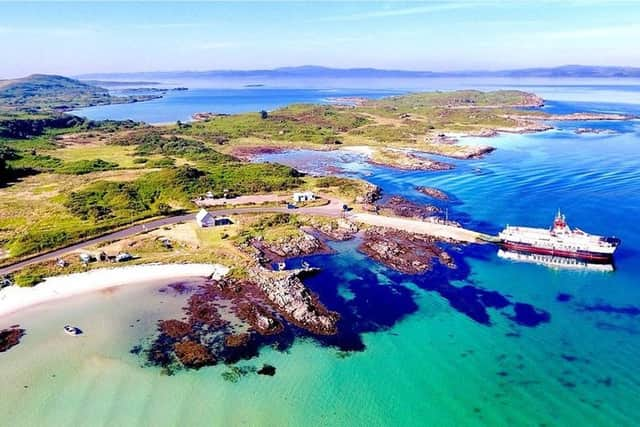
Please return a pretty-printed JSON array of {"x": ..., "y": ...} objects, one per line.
[
  {"x": 42, "y": 93},
  {"x": 312, "y": 71}
]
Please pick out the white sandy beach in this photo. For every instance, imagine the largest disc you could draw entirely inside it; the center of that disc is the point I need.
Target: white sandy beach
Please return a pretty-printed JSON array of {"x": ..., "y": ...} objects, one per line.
[{"x": 15, "y": 298}]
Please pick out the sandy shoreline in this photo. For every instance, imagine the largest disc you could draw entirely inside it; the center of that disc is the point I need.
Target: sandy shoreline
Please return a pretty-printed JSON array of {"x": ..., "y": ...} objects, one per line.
[{"x": 14, "y": 298}]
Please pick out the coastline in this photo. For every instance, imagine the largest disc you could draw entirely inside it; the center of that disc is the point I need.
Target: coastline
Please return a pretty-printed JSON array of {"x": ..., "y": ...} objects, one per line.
[{"x": 14, "y": 298}]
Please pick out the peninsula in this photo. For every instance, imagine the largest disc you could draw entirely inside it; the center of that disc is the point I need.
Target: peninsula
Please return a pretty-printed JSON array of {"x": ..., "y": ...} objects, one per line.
[{"x": 136, "y": 188}]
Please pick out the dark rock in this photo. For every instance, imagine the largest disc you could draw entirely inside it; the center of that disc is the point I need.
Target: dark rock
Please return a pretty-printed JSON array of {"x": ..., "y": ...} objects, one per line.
[
  {"x": 267, "y": 370},
  {"x": 10, "y": 337},
  {"x": 563, "y": 297}
]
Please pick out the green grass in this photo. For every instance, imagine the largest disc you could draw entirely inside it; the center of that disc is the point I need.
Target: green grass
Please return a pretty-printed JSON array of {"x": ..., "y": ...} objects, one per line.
[
  {"x": 83, "y": 167},
  {"x": 308, "y": 123}
]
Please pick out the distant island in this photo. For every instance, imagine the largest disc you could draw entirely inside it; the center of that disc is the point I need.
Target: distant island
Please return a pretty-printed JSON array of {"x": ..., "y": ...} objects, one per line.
[
  {"x": 313, "y": 71},
  {"x": 42, "y": 93}
]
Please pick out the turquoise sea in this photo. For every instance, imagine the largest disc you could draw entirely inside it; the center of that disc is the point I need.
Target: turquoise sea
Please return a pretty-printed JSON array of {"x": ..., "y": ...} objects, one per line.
[{"x": 442, "y": 349}]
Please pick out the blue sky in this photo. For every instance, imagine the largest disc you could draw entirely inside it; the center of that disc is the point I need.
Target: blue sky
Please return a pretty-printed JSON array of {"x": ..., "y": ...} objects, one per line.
[{"x": 73, "y": 38}]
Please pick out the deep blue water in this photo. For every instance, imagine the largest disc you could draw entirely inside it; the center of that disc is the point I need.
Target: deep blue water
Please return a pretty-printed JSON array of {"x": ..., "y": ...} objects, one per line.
[{"x": 593, "y": 179}]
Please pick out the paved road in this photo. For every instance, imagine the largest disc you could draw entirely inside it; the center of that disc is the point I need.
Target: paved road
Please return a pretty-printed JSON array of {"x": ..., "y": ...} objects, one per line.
[{"x": 333, "y": 209}]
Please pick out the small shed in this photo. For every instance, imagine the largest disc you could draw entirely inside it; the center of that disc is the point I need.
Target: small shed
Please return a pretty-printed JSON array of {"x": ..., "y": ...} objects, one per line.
[
  {"x": 305, "y": 196},
  {"x": 205, "y": 219}
]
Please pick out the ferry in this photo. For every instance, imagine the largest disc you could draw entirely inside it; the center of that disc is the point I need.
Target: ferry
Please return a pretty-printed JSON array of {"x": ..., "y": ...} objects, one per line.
[{"x": 559, "y": 240}]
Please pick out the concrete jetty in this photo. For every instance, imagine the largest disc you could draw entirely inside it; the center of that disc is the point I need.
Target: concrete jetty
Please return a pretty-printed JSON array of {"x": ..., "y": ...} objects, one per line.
[{"x": 422, "y": 227}]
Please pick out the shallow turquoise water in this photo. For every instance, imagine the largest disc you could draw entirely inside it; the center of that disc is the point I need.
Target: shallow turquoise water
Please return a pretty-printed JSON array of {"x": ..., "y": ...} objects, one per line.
[{"x": 426, "y": 359}]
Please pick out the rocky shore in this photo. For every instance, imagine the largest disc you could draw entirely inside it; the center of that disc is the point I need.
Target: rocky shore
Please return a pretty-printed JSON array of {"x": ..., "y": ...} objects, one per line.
[
  {"x": 288, "y": 295},
  {"x": 399, "y": 206},
  {"x": 338, "y": 230},
  {"x": 407, "y": 161},
  {"x": 10, "y": 337},
  {"x": 402, "y": 251},
  {"x": 289, "y": 247},
  {"x": 198, "y": 117},
  {"x": 467, "y": 152},
  {"x": 247, "y": 153},
  {"x": 225, "y": 318}
]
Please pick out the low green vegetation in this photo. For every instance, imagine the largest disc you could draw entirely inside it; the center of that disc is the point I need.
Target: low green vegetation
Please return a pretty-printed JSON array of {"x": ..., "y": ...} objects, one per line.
[
  {"x": 271, "y": 227},
  {"x": 82, "y": 167},
  {"x": 151, "y": 141},
  {"x": 458, "y": 98},
  {"x": 64, "y": 178},
  {"x": 307, "y": 123}
]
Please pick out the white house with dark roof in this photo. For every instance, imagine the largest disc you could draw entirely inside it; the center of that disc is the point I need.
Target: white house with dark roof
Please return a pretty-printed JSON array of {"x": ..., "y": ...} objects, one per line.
[{"x": 205, "y": 219}]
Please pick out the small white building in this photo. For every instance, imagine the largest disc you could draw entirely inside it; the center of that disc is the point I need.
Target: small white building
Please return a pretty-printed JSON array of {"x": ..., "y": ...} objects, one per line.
[
  {"x": 305, "y": 196},
  {"x": 205, "y": 219}
]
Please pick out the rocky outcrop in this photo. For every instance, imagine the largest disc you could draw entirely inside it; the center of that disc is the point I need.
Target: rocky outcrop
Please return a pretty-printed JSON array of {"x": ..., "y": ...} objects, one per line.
[
  {"x": 373, "y": 194},
  {"x": 295, "y": 302},
  {"x": 261, "y": 302},
  {"x": 289, "y": 247},
  {"x": 338, "y": 230},
  {"x": 259, "y": 318},
  {"x": 408, "y": 161},
  {"x": 485, "y": 133},
  {"x": 440, "y": 138},
  {"x": 249, "y": 152},
  {"x": 403, "y": 251},
  {"x": 198, "y": 117},
  {"x": 466, "y": 152},
  {"x": 398, "y": 205},
  {"x": 433, "y": 193}
]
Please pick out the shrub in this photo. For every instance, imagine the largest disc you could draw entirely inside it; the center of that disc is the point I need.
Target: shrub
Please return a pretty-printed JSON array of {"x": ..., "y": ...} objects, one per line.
[{"x": 81, "y": 167}]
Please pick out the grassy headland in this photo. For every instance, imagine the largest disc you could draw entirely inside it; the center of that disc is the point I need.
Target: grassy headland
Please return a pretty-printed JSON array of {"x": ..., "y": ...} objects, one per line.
[
  {"x": 64, "y": 178},
  {"x": 50, "y": 93}
]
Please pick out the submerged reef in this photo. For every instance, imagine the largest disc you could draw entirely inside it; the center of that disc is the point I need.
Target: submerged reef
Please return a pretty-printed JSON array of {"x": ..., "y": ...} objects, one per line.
[
  {"x": 231, "y": 319},
  {"x": 10, "y": 337},
  {"x": 228, "y": 319}
]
